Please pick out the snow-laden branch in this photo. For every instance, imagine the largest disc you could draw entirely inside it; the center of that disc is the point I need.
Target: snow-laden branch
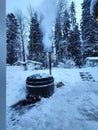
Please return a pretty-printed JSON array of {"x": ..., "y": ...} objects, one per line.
[{"x": 93, "y": 3}]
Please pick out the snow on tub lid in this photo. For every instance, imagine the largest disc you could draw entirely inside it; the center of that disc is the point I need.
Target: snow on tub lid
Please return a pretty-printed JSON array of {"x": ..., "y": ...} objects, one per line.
[{"x": 39, "y": 76}]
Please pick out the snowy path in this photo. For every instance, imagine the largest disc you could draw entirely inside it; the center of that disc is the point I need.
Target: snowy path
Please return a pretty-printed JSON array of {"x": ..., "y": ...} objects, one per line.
[{"x": 72, "y": 107}]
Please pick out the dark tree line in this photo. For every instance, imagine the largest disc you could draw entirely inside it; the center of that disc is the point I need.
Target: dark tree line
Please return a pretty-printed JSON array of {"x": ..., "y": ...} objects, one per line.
[
  {"x": 69, "y": 42},
  {"x": 13, "y": 42},
  {"x": 67, "y": 34},
  {"x": 17, "y": 47},
  {"x": 66, "y": 37},
  {"x": 89, "y": 31}
]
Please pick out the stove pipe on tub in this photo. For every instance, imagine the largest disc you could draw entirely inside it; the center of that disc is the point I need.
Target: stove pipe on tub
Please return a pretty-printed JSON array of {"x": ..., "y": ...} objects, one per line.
[{"x": 49, "y": 58}]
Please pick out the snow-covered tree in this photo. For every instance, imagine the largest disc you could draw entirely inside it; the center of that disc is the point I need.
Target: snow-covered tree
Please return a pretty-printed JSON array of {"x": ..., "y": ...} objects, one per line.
[
  {"x": 65, "y": 34},
  {"x": 74, "y": 46},
  {"x": 57, "y": 38},
  {"x": 61, "y": 30},
  {"x": 13, "y": 43},
  {"x": 72, "y": 16},
  {"x": 23, "y": 30},
  {"x": 94, "y": 9},
  {"x": 89, "y": 28},
  {"x": 57, "y": 34},
  {"x": 23, "y": 33},
  {"x": 35, "y": 46}
]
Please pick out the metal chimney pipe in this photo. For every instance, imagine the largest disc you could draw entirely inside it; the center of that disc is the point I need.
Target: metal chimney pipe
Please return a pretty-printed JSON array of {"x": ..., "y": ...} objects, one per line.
[{"x": 49, "y": 57}]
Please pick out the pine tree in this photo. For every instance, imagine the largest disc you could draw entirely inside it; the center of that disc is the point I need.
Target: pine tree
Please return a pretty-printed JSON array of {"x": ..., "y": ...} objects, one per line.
[
  {"x": 74, "y": 47},
  {"x": 65, "y": 34},
  {"x": 89, "y": 30},
  {"x": 13, "y": 44},
  {"x": 62, "y": 26},
  {"x": 57, "y": 38},
  {"x": 72, "y": 15},
  {"x": 58, "y": 32},
  {"x": 23, "y": 36},
  {"x": 63, "y": 19},
  {"x": 35, "y": 46},
  {"x": 23, "y": 33}
]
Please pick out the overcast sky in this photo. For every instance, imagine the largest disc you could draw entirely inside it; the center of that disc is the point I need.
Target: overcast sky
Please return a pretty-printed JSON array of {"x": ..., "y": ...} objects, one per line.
[{"x": 13, "y": 5}]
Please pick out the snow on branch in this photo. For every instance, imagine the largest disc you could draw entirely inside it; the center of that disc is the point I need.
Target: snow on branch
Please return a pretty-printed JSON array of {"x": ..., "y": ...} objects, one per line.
[{"x": 93, "y": 3}]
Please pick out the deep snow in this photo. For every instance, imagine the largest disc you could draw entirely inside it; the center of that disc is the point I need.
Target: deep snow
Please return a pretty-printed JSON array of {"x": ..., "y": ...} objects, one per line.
[{"x": 72, "y": 107}]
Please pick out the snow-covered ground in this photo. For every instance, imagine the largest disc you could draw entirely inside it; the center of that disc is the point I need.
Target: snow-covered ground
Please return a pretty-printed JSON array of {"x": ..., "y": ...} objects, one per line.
[{"x": 73, "y": 106}]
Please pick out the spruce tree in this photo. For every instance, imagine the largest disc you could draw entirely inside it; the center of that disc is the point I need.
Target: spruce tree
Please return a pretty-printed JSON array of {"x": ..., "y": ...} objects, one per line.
[
  {"x": 57, "y": 38},
  {"x": 72, "y": 15},
  {"x": 74, "y": 47},
  {"x": 65, "y": 34},
  {"x": 13, "y": 44},
  {"x": 23, "y": 33},
  {"x": 35, "y": 46},
  {"x": 89, "y": 29},
  {"x": 62, "y": 26}
]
